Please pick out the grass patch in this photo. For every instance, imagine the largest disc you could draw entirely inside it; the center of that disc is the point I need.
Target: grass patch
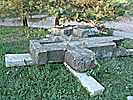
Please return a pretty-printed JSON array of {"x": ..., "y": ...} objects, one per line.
[
  {"x": 54, "y": 81},
  {"x": 99, "y": 35},
  {"x": 116, "y": 76},
  {"x": 36, "y": 82},
  {"x": 16, "y": 33},
  {"x": 127, "y": 43}
]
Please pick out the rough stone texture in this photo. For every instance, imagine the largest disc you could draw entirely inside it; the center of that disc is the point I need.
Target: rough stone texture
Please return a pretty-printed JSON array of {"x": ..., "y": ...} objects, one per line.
[
  {"x": 104, "y": 49},
  {"x": 18, "y": 60},
  {"x": 55, "y": 52},
  {"x": 59, "y": 51},
  {"x": 67, "y": 32},
  {"x": 88, "y": 82},
  {"x": 63, "y": 30},
  {"x": 37, "y": 52},
  {"x": 130, "y": 98},
  {"x": 77, "y": 52},
  {"x": 79, "y": 59},
  {"x": 76, "y": 30},
  {"x": 80, "y": 32}
]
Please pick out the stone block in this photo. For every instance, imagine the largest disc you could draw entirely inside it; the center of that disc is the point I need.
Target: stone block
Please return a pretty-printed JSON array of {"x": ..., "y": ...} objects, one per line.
[
  {"x": 40, "y": 57},
  {"x": 80, "y": 32},
  {"x": 46, "y": 51},
  {"x": 104, "y": 49},
  {"x": 55, "y": 52},
  {"x": 88, "y": 82},
  {"x": 67, "y": 32},
  {"x": 63, "y": 30},
  {"x": 18, "y": 60},
  {"x": 79, "y": 59},
  {"x": 55, "y": 56},
  {"x": 56, "y": 30}
]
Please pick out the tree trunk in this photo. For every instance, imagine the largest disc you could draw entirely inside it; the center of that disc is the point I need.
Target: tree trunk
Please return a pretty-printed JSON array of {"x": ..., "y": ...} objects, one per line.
[
  {"x": 24, "y": 21},
  {"x": 57, "y": 20}
]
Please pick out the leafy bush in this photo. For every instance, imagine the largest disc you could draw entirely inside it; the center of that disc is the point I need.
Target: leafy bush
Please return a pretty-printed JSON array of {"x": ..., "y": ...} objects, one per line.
[{"x": 86, "y": 10}]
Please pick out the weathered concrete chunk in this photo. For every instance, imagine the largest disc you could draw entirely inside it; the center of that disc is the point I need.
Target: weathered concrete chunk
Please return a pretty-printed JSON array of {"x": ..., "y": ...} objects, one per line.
[
  {"x": 88, "y": 82},
  {"x": 55, "y": 52},
  {"x": 47, "y": 51},
  {"x": 40, "y": 56},
  {"x": 18, "y": 60},
  {"x": 67, "y": 32},
  {"x": 77, "y": 52},
  {"x": 104, "y": 49},
  {"x": 37, "y": 51},
  {"x": 79, "y": 59},
  {"x": 63, "y": 30},
  {"x": 80, "y": 32},
  {"x": 55, "y": 30}
]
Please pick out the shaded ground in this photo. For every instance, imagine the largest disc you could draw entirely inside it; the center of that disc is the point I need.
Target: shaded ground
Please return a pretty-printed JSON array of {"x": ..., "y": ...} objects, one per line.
[{"x": 123, "y": 25}]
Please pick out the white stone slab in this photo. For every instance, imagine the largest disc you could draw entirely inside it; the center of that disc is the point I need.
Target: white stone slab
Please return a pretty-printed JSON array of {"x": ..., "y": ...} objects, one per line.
[
  {"x": 88, "y": 82},
  {"x": 18, "y": 60},
  {"x": 129, "y": 51},
  {"x": 130, "y": 98}
]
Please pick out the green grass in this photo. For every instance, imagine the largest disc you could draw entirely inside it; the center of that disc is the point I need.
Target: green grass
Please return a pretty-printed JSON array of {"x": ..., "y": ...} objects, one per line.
[
  {"x": 127, "y": 43},
  {"x": 116, "y": 76},
  {"x": 16, "y": 33},
  {"x": 37, "y": 82},
  {"x": 54, "y": 81}
]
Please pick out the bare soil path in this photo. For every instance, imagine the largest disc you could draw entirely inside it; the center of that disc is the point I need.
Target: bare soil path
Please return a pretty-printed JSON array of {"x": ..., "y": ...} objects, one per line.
[{"x": 123, "y": 26}]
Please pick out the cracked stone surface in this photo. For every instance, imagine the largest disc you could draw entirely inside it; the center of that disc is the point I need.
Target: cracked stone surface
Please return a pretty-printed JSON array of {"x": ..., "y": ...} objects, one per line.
[{"x": 76, "y": 52}]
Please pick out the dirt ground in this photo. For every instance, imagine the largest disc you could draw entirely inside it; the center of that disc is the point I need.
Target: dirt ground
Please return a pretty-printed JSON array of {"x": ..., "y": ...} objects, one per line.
[{"x": 124, "y": 23}]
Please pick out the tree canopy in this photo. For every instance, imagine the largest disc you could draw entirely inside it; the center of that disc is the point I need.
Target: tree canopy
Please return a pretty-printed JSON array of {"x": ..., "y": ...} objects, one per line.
[
  {"x": 19, "y": 8},
  {"x": 85, "y": 10},
  {"x": 79, "y": 10}
]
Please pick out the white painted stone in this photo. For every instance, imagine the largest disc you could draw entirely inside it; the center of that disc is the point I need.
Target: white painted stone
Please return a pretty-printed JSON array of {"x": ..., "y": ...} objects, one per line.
[
  {"x": 47, "y": 35},
  {"x": 87, "y": 81},
  {"x": 130, "y": 98},
  {"x": 129, "y": 51},
  {"x": 18, "y": 60}
]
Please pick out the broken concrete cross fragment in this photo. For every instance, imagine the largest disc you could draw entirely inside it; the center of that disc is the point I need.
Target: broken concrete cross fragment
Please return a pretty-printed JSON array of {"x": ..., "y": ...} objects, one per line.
[
  {"x": 59, "y": 51},
  {"x": 18, "y": 60},
  {"x": 79, "y": 59},
  {"x": 88, "y": 82},
  {"x": 76, "y": 52}
]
